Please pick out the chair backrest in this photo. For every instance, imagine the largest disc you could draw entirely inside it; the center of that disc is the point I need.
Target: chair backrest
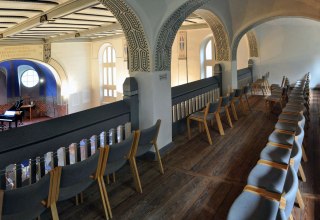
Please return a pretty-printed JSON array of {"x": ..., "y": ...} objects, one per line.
[
  {"x": 215, "y": 106},
  {"x": 148, "y": 137},
  {"x": 224, "y": 101},
  {"x": 26, "y": 202},
  {"x": 77, "y": 177},
  {"x": 295, "y": 157},
  {"x": 246, "y": 89},
  {"x": 238, "y": 92},
  {"x": 290, "y": 191},
  {"x": 231, "y": 96},
  {"x": 120, "y": 152}
]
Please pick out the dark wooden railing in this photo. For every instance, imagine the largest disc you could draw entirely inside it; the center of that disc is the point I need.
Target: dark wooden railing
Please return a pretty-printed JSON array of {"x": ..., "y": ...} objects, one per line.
[
  {"x": 27, "y": 153},
  {"x": 47, "y": 144},
  {"x": 244, "y": 77},
  {"x": 191, "y": 97}
]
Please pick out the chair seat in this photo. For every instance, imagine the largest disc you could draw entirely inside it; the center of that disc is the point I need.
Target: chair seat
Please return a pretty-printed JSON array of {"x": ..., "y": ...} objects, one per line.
[
  {"x": 281, "y": 138},
  {"x": 268, "y": 178},
  {"x": 286, "y": 126},
  {"x": 293, "y": 109},
  {"x": 289, "y": 117},
  {"x": 253, "y": 206},
  {"x": 274, "y": 98},
  {"x": 200, "y": 115},
  {"x": 275, "y": 154}
]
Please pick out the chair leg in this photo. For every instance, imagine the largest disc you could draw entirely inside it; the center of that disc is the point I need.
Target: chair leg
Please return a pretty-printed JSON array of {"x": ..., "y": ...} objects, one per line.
[
  {"x": 188, "y": 126},
  {"x": 248, "y": 102},
  {"x": 304, "y": 155},
  {"x": 220, "y": 127},
  {"x": 228, "y": 116},
  {"x": 300, "y": 199},
  {"x": 302, "y": 174},
  {"x": 200, "y": 127},
  {"x": 234, "y": 111},
  {"x": 54, "y": 211},
  {"x": 242, "y": 107},
  {"x": 135, "y": 174},
  {"x": 208, "y": 133},
  {"x": 104, "y": 198},
  {"x": 159, "y": 158},
  {"x": 81, "y": 197}
]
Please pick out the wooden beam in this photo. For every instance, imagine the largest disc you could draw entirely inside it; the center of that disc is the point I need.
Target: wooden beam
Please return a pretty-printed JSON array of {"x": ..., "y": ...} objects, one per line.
[
  {"x": 89, "y": 32},
  {"x": 58, "y": 11}
]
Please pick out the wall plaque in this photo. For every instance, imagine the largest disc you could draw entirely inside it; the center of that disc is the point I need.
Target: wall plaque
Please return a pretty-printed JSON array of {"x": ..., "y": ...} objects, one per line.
[{"x": 21, "y": 52}]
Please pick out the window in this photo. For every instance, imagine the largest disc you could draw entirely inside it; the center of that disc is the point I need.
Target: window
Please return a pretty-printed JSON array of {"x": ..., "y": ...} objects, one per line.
[
  {"x": 209, "y": 58},
  {"x": 109, "y": 74},
  {"x": 30, "y": 78}
]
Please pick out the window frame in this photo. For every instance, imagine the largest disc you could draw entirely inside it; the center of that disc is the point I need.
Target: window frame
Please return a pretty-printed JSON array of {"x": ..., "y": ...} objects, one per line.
[{"x": 25, "y": 84}]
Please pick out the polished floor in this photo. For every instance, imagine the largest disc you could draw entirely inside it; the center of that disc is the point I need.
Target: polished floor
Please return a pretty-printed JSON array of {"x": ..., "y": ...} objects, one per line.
[{"x": 202, "y": 181}]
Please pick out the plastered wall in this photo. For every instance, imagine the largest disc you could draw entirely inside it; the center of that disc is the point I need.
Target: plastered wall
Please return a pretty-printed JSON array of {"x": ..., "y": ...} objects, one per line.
[{"x": 289, "y": 47}]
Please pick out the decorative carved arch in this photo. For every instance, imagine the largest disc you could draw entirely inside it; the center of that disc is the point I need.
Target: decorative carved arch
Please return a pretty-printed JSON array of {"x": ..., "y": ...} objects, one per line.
[
  {"x": 253, "y": 44},
  {"x": 220, "y": 34},
  {"x": 139, "y": 52},
  {"x": 168, "y": 32}
]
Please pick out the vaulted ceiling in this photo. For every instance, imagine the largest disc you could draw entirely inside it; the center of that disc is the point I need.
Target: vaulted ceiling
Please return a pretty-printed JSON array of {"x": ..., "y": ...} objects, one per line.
[{"x": 60, "y": 20}]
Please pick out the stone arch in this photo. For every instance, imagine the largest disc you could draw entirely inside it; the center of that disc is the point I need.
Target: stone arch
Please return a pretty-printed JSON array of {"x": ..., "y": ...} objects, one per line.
[
  {"x": 220, "y": 34},
  {"x": 139, "y": 51},
  {"x": 241, "y": 33},
  {"x": 253, "y": 44},
  {"x": 168, "y": 32}
]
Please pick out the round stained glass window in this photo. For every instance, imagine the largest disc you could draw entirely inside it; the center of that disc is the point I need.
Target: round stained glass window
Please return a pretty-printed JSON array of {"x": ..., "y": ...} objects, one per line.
[{"x": 30, "y": 78}]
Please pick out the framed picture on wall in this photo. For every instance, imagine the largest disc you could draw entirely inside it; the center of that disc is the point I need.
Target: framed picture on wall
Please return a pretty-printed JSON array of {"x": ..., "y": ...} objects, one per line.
[
  {"x": 125, "y": 51},
  {"x": 182, "y": 44}
]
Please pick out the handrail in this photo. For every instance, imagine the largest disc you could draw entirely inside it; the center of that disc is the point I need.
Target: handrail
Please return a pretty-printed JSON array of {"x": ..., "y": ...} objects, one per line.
[
  {"x": 34, "y": 140},
  {"x": 187, "y": 91}
]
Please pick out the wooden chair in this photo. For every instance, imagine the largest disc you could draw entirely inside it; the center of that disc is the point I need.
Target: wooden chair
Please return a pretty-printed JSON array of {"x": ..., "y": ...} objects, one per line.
[
  {"x": 233, "y": 108},
  {"x": 202, "y": 117},
  {"x": 245, "y": 93},
  {"x": 278, "y": 96},
  {"x": 238, "y": 99},
  {"x": 148, "y": 139},
  {"x": 30, "y": 201},
  {"x": 119, "y": 154},
  {"x": 74, "y": 179},
  {"x": 225, "y": 104}
]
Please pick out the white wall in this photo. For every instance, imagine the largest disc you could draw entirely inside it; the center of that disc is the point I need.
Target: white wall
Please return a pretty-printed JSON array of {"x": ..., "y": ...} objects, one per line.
[
  {"x": 121, "y": 66},
  {"x": 289, "y": 47},
  {"x": 75, "y": 60},
  {"x": 178, "y": 67},
  {"x": 243, "y": 53}
]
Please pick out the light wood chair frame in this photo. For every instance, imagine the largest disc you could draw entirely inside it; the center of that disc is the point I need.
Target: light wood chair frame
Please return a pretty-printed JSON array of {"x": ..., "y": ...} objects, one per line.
[
  {"x": 98, "y": 176},
  {"x": 132, "y": 158}
]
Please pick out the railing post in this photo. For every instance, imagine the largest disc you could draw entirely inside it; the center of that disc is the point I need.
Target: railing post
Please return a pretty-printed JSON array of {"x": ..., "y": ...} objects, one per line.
[
  {"x": 130, "y": 96},
  {"x": 218, "y": 72},
  {"x": 250, "y": 66}
]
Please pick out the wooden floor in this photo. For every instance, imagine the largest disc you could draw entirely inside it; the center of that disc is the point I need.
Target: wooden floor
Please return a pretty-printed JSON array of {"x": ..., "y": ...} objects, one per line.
[{"x": 202, "y": 181}]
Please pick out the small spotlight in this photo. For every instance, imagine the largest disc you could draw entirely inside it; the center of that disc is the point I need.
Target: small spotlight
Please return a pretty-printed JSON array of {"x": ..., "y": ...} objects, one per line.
[{"x": 41, "y": 80}]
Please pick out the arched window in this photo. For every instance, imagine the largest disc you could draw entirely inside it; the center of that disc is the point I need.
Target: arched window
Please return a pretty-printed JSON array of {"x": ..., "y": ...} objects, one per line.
[
  {"x": 109, "y": 74},
  {"x": 208, "y": 54}
]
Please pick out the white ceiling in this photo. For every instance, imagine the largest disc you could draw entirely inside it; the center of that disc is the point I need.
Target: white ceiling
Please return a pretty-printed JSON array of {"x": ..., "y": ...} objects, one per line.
[{"x": 66, "y": 20}]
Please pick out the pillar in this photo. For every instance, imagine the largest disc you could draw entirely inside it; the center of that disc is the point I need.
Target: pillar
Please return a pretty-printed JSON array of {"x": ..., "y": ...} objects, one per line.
[{"x": 155, "y": 103}]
